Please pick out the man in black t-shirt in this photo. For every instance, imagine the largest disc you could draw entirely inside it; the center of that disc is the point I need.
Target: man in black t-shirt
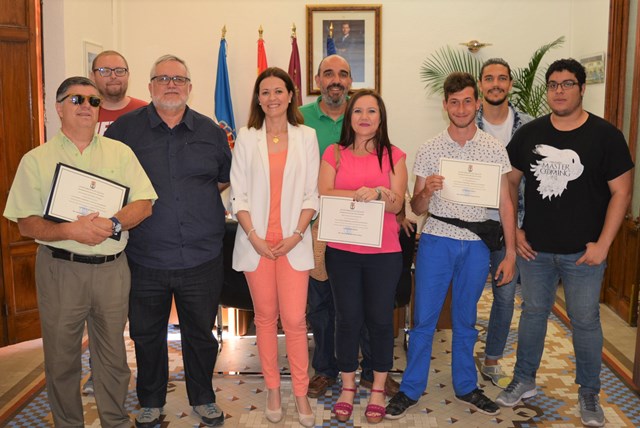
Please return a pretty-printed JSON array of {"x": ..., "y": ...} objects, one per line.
[{"x": 577, "y": 170}]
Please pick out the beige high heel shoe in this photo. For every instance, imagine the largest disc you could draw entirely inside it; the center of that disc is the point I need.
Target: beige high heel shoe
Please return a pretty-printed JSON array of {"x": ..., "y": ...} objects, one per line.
[
  {"x": 305, "y": 420},
  {"x": 273, "y": 416}
]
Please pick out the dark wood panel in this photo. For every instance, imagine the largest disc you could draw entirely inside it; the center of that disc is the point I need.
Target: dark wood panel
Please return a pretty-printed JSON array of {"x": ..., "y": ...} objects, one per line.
[
  {"x": 21, "y": 128},
  {"x": 14, "y": 13}
]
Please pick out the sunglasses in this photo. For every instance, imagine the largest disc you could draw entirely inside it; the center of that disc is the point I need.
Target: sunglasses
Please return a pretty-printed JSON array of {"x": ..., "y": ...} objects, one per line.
[{"x": 77, "y": 100}]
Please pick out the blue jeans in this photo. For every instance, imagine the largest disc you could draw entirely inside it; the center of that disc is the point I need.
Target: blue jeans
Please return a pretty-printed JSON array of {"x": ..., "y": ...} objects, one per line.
[
  {"x": 501, "y": 310},
  {"x": 581, "y": 285},
  {"x": 439, "y": 262}
]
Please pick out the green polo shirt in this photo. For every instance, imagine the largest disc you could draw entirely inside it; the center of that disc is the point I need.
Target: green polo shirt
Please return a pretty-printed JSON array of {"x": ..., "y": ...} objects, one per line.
[
  {"x": 327, "y": 129},
  {"x": 103, "y": 156}
]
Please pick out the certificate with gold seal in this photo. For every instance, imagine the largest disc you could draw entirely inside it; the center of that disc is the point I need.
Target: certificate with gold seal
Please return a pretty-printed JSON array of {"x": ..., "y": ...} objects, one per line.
[
  {"x": 346, "y": 221},
  {"x": 471, "y": 183},
  {"x": 75, "y": 192}
]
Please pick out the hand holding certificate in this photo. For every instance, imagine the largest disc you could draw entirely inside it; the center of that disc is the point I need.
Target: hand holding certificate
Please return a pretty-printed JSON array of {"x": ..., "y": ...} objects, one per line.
[
  {"x": 346, "y": 221},
  {"x": 75, "y": 192},
  {"x": 471, "y": 183}
]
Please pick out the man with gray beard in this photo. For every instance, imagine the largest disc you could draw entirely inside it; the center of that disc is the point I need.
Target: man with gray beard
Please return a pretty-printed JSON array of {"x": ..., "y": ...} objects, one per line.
[{"x": 178, "y": 251}]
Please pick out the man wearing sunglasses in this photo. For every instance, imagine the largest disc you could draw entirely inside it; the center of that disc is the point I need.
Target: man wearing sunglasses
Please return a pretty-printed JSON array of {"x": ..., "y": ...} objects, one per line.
[
  {"x": 110, "y": 72},
  {"x": 178, "y": 251},
  {"x": 577, "y": 170},
  {"x": 82, "y": 276}
]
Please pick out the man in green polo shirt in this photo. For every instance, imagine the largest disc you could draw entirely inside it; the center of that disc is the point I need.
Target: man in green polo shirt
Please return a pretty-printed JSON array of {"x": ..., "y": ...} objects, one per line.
[{"x": 82, "y": 275}]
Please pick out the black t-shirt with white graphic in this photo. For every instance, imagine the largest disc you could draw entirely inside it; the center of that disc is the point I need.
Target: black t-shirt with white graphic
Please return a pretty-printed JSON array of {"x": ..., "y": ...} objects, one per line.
[{"x": 567, "y": 173}]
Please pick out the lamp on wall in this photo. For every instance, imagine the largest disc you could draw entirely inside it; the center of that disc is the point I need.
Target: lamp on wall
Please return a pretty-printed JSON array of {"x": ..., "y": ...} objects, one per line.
[{"x": 474, "y": 45}]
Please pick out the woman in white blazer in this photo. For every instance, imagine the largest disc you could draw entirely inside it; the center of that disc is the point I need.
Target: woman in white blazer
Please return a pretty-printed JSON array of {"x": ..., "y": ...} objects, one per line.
[{"x": 274, "y": 195}]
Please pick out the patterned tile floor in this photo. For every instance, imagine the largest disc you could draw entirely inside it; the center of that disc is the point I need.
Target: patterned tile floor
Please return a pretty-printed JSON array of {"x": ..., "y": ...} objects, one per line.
[{"x": 242, "y": 399}]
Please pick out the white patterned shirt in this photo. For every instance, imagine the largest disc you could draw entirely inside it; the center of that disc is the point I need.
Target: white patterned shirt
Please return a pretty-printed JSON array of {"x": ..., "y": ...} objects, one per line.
[{"x": 481, "y": 148}]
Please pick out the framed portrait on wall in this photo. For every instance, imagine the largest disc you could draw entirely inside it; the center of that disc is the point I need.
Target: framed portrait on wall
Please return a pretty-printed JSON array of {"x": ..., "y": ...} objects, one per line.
[
  {"x": 355, "y": 33},
  {"x": 91, "y": 50}
]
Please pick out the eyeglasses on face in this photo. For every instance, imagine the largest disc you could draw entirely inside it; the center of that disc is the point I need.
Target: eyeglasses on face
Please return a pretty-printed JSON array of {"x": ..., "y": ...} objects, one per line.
[
  {"x": 177, "y": 80},
  {"x": 565, "y": 85},
  {"x": 77, "y": 100},
  {"x": 106, "y": 71}
]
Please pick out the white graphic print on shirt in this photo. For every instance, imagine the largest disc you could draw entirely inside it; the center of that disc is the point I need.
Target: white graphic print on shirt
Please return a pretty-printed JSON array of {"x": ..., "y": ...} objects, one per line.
[{"x": 555, "y": 170}]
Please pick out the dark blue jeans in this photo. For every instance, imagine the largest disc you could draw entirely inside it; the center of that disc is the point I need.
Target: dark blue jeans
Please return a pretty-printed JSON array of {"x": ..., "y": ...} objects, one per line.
[
  {"x": 364, "y": 288},
  {"x": 197, "y": 294}
]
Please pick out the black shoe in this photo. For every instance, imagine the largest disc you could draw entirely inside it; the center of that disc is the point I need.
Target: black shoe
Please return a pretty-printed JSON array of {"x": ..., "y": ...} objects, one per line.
[
  {"x": 399, "y": 405},
  {"x": 480, "y": 402}
]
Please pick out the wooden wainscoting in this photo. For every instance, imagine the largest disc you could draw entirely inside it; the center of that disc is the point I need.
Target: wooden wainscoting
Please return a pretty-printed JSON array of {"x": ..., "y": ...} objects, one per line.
[{"x": 620, "y": 286}]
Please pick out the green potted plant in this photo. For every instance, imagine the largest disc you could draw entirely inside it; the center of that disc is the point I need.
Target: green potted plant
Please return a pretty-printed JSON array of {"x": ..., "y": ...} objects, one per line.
[{"x": 529, "y": 89}]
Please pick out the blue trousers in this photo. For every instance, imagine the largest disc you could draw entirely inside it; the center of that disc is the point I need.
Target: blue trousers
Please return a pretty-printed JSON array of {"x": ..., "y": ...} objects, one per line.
[
  {"x": 581, "y": 286},
  {"x": 441, "y": 261},
  {"x": 501, "y": 310}
]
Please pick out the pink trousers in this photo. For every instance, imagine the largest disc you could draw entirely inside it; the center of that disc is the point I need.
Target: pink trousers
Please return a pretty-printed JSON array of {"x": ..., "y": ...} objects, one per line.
[{"x": 277, "y": 289}]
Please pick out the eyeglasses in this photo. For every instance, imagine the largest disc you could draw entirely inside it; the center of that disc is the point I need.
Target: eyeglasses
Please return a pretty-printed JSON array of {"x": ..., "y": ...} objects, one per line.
[
  {"x": 106, "y": 71},
  {"x": 77, "y": 100},
  {"x": 177, "y": 80},
  {"x": 567, "y": 84}
]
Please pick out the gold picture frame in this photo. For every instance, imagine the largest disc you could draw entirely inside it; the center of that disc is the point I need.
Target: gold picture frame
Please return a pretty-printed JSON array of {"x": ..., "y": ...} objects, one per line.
[{"x": 356, "y": 34}]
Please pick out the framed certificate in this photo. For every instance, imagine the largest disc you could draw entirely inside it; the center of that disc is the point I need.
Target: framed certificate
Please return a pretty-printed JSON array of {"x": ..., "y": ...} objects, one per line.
[
  {"x": 346, "y": 221},
  {"x": 76, "y": 192},
  {"x": 471, "y": 183}
]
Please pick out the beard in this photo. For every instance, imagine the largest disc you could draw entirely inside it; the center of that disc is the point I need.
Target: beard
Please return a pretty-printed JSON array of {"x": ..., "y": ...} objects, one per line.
[
  {"x": 335, "y": 100},
  {"x": 169, "y": 103},
  {"x": 497, "y": 102}
]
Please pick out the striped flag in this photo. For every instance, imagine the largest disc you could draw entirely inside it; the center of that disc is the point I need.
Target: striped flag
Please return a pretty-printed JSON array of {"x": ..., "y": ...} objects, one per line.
[
  {"x": 262, "y": 56},
  {"x": 222, "y": 98},
  {"x": 294, "y": 68}
]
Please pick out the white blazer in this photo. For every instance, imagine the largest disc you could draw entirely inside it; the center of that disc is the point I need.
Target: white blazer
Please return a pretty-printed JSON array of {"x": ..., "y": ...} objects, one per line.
[{"x": 250, "y": 191}]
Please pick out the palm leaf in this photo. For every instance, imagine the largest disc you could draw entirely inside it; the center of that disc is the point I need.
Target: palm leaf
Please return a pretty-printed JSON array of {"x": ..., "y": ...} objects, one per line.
[
  {"x": 524, "y": 97},
  {"x": 444, "y": 61},
  {"x": 529, "y": 91}
]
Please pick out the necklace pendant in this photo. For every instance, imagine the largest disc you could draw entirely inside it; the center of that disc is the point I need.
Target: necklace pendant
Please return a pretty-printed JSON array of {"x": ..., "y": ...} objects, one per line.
[{"x": 275, "y": 139}]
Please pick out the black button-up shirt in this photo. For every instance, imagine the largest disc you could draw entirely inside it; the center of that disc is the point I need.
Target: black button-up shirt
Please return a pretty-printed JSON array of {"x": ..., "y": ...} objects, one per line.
[{"x": 185, "y": 165}]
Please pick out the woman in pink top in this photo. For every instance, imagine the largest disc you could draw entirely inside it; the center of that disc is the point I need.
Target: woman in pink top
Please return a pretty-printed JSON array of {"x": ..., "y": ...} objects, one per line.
[
  {"x": 364, "y": 166},
  {"x": 274, "y": 195}
]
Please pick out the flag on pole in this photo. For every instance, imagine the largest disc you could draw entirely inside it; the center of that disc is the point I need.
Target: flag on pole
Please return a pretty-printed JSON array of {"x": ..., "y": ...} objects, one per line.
[
  {"x": 331, "y": 45},
  {"x": 262, "y": 54},
  {"x": 222, "y": 98},
  {"x": 294, "y": 65}
]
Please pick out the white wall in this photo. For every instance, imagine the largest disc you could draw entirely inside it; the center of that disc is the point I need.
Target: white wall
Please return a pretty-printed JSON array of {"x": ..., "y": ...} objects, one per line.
[{"x": 411, "y": 30}]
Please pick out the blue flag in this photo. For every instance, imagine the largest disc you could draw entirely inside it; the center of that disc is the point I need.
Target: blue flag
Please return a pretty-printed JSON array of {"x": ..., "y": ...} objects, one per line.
[
  {"x": 223, "y": 106},
  {"x": 331, "y": 46}
]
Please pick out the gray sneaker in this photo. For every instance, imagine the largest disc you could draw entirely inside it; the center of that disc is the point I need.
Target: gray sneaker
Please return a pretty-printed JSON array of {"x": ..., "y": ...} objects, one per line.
[
  {"x": 591, "y": 413},
  {"x": 495, "y": 375},
  {"x": 210, "y": 413},
  {"x": 515, "y": 392},
  {"x": 148, "y": 417}
]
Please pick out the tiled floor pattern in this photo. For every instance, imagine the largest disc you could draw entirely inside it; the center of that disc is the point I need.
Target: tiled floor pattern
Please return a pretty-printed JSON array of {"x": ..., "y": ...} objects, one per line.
[{"x": 242, "y": 399}]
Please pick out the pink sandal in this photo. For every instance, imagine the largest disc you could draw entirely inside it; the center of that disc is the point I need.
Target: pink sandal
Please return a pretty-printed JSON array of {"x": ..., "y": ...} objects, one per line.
[
  {"x": 374, "y": 412},
  {"x": 342, "y": 409}
]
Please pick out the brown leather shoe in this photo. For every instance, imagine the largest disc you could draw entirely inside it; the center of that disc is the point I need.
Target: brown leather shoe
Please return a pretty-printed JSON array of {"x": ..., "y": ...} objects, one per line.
[
  {"x": 391, "y": 387},
  {"x": 318, "y": 385}
]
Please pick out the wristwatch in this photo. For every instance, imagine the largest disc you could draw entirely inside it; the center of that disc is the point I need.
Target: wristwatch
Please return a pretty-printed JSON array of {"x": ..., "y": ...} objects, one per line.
[{"x": 116, "y": 227}]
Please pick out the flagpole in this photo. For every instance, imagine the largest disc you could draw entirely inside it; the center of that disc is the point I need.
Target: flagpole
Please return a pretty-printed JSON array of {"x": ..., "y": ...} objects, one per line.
[{"x": 294, "y": 65}]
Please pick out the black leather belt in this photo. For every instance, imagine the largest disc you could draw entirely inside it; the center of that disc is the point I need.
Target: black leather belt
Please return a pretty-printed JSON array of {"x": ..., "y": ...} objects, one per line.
[{"x": 58, "y": 253}]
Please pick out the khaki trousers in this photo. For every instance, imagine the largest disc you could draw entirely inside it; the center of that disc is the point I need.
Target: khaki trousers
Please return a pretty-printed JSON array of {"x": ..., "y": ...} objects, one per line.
[{"x": 71, "y": 294}]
